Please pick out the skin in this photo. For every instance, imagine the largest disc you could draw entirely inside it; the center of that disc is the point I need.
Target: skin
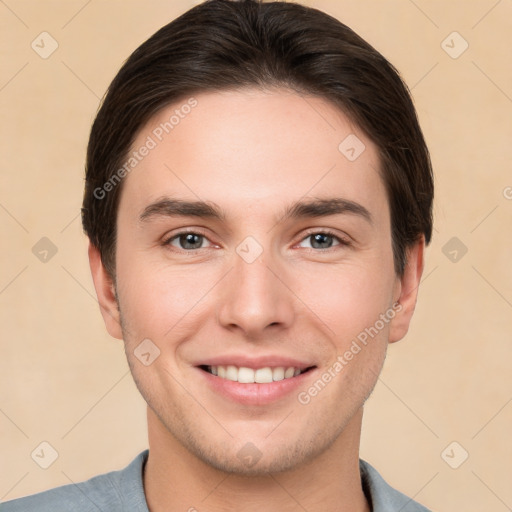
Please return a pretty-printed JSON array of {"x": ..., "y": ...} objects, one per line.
[{"x": 252, "y": 153}]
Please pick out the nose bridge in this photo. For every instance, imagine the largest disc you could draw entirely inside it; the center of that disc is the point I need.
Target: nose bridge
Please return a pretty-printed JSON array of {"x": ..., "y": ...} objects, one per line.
[{"x": 254, "y": 297}]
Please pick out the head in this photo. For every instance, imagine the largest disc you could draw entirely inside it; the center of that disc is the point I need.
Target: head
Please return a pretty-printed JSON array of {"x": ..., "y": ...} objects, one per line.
[{"x": 290, "y": 152}]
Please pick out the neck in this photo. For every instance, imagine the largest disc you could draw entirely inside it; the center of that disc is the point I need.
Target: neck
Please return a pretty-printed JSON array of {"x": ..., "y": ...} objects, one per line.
[{"x": 175, "y": 479}]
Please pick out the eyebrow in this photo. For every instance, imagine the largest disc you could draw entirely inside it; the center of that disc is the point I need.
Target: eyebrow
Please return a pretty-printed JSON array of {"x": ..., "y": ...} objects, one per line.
[
  {"x": 325, "y": 207},
  {"x": 168, "y": 207}
]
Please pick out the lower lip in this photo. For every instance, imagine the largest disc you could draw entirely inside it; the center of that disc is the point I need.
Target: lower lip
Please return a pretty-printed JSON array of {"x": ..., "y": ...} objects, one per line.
[{"x": 255, "y": 394}]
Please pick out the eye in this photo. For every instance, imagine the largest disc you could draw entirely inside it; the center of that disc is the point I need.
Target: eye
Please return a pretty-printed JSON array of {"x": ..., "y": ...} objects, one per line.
[
  {"x": 323, "y": 240},
  {"x": 187, "y": 241}
]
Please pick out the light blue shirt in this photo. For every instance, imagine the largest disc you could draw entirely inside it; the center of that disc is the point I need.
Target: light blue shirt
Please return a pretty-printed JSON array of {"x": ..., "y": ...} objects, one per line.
[{"x": 123, "y": 491}]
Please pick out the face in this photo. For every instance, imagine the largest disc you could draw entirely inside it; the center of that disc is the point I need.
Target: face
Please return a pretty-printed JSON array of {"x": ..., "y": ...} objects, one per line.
[{"x": 252, "y": 257}]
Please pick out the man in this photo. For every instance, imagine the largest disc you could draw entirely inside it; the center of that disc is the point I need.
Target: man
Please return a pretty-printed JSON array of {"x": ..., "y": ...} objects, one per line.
[{"x": 258, "y": 200}]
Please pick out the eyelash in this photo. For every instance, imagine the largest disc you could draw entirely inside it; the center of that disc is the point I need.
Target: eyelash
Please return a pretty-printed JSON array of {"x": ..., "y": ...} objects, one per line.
[{"x": 343, "y": 242}]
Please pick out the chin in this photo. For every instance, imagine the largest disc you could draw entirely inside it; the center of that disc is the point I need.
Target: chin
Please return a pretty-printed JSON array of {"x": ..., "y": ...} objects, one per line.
[
  {"x": 254, "y": 456},
  {"x": 251, "y": 462}
]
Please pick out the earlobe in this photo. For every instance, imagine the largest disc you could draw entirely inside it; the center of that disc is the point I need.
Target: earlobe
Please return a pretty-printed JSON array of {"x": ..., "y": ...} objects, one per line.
[
  {"x": 408, "y": 291},
  {"x": 105, "y": 292}
]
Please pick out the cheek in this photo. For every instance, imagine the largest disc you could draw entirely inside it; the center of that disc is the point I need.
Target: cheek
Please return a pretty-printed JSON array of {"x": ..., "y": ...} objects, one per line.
[
  {"x": 153, "y": 305},
  {"x": 348, "y": 298},
  {"x": 159, "y": 300}
]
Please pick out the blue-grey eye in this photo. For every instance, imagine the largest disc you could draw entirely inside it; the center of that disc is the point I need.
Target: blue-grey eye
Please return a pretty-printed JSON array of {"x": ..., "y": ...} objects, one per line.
[
  {"x": 188, "y": 241},
  {"x": 322, "y": 240}
]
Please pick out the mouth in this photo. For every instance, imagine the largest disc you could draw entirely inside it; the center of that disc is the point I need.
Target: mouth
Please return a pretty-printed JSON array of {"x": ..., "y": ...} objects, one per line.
[
  {"x": 264, "y": 375},
  {"x": 258, "y": 386}
]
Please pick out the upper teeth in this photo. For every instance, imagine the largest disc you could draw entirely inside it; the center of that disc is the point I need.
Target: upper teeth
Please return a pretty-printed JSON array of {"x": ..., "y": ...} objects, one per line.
[{"x": 248, "y": 375}]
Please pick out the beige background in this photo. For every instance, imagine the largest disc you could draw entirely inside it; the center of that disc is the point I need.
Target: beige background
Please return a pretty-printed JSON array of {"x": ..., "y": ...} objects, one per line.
[{"x": 64, "y": 381}]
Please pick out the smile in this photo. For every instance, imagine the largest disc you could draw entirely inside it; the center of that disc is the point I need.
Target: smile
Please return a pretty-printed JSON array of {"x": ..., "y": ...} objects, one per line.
[{"x": 246, "y": 375}]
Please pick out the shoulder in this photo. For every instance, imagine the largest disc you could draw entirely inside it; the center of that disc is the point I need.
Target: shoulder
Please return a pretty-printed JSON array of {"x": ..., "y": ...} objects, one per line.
[
  {"x": 383, "y": 497},
  {"x": 116, "y": 491}
]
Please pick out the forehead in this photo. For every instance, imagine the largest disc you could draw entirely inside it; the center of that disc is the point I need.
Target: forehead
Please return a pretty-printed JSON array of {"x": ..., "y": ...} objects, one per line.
[{"x": 251, "y": 147}]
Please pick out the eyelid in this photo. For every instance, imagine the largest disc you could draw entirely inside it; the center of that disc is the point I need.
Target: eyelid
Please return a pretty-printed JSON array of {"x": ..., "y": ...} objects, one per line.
[
  {"x": 168, "y": 238},
  {"x": 344, "y": 240}
]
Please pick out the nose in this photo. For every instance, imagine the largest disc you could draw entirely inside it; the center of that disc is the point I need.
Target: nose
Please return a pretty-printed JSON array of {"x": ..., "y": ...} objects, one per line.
[{"x": 255, "y": 299}]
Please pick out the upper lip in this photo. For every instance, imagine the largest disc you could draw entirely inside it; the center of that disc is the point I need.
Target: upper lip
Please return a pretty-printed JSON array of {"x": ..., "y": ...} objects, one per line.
[{"x": 243, "y": 360}]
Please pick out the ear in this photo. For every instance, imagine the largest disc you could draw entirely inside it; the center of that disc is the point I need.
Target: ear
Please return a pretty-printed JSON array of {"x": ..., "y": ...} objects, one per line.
[
  {"x": 407, "y": 291},
  {"x": 105, "y": 292}
]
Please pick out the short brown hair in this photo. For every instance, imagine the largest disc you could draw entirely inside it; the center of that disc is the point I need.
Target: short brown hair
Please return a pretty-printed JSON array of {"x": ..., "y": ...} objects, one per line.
[{"x": 229, "y": 44}]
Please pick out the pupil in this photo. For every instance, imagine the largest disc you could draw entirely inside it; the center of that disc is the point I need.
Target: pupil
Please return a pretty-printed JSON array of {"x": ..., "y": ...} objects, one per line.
[
  {"x": 190, "y": 239},
  {"x": 321, "y": 238}
]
